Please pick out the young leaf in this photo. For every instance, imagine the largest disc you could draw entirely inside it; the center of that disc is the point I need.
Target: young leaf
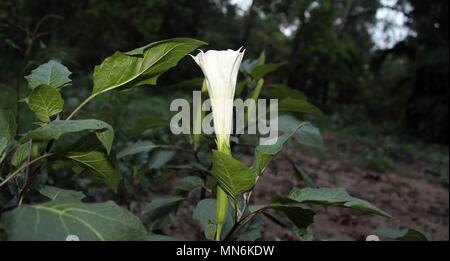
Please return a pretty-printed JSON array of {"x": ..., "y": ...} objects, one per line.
[
  {"x": 336, "y": 197},
  {"x": 141, "y": 66},
  {"x": 8, "y": 125},
  {"x": 57, "y": 219},
  {"x": 98, "y": 164},
  {"x": 51, "y": 73},
  {"x": 233, "y": 176},
  {"x": 57, "y": 128},
  {"x": 45, "y": 101}
]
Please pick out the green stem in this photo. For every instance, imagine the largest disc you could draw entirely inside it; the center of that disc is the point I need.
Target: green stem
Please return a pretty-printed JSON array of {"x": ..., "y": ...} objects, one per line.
[
  {"x": 222, "y": 199},
  {"x": 25, "y": 165},
  {"x": 221, "y": 211},
  {"x": 80, "y": 106}
]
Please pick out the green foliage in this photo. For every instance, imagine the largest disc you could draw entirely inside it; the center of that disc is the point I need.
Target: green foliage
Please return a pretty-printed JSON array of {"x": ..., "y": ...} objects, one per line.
[
  {"x": 142, "y": 65},
  {"x": 98, "y": 164},
  {"x": 8, "y": 126},
  {"x": 61, "y": 147},
  {"x": 187, "y": 184},
  {"x": 46, "y": 102},
  {"x": 66, "y": 215},
  {"x": 406, "y": 234},
  {"x": 52, "y": 74},
  {"x": 233, "y": 176},
  {"x": 55, "y": 129},
  {"x": 205, "y": 213},
  {"x": 20, "y": 155},
  {"x": 333, "y": 197},
  {"x": 308, "y": 135}
]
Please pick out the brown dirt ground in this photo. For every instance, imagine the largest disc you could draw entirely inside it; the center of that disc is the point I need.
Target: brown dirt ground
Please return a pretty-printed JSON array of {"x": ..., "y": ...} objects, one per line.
[{"x": 417, "y": 200}]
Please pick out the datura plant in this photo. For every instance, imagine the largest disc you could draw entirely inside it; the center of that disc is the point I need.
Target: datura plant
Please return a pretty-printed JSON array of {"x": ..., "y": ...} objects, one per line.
[
  {"x": 221, "y": 70},
  {"x": 87, "y": 156}
]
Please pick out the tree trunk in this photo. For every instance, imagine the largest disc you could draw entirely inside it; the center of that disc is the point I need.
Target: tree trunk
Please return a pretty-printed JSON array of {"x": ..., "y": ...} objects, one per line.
[
  {"x": 346, "y": 14},
  {"x": 250, "y": 21}
]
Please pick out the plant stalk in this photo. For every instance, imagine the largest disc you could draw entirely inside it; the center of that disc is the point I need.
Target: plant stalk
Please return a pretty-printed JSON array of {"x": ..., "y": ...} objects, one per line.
[
  {"x": 79, "y": 107},
  {"x": 222, "y": 199},
  {"x": 25, "y": 165}
]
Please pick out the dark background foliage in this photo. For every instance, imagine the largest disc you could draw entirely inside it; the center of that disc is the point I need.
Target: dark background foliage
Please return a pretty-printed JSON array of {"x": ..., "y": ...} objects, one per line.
[{"x": 330, "y": 54}]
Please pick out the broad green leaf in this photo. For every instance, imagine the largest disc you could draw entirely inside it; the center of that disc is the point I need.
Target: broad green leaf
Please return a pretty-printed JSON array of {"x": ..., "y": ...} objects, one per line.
[
  {"x": 21, "y": 154},
  {"x": 262, "y": 70},
  {"x": 187, "y": 184},
  {"x": 45, "y": 101},
  {"x": 57, "y": 128},
  {"x": 233, "y": 176},
  {"x": 264, "y": 153},
  {"x": 98, "y": 164},
  {"x": 282, "y": 91},
  {"x": 138, "y": 147},
  {"x": 8, "y": 125},
  {"x": 51, "y": 73},
  {"x": 337, "y": 197},
  {"x": 205, "y": 213},
  {"x": 57, "y": 219},
  {"x": 141, "y": 66},
  {"x": 298, "y": 105},
  {"x": 160, "y": 203},
  {"x": 406, "y": 234},
  {"x": 54, "y": 193},
  {"x": 308, "y": 135}
]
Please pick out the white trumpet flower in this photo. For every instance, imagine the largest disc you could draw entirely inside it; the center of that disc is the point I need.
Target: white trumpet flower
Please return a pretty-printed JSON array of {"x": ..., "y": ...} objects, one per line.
[{"x": 220, "y": 69}]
